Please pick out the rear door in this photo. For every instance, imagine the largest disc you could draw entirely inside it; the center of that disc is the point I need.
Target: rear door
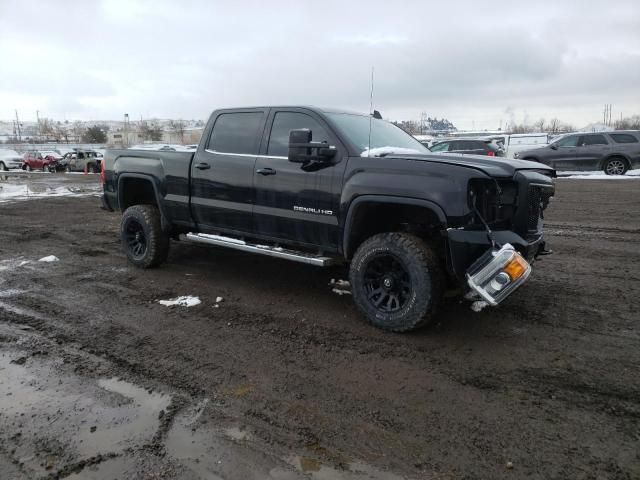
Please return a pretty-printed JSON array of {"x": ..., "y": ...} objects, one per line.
[
  {"x": 295, "y": 202},
  {"x": 591, "y": 149},
  {"x": 222, "y": 192}
]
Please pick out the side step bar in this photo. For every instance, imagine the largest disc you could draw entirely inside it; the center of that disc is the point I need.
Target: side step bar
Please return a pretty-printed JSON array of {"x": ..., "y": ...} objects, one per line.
[{"x": 236, "y": 244}]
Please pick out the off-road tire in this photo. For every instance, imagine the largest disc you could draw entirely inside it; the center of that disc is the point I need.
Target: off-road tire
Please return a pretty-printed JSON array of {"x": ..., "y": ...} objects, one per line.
[
  {"x": 425, "y": 279},
  {"x": 615, "y": 166},
  {"x": 146, "y": 219}
]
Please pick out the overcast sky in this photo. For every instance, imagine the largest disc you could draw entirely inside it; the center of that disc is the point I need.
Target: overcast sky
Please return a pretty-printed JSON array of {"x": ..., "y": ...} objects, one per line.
[{"x": 476, "y": 63}]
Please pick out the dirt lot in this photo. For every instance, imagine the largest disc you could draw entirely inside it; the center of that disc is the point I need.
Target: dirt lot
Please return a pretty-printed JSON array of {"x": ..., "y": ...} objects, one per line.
[{"x": 284, "y": 380}]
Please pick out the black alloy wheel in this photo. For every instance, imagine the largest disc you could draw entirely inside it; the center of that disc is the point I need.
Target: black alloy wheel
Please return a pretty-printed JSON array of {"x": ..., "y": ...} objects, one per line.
[{"x": 387, "y": 283}]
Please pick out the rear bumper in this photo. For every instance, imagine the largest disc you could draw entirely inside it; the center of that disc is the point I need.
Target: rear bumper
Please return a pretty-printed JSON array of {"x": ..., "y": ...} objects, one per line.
[{"x": 467, "y": 246}]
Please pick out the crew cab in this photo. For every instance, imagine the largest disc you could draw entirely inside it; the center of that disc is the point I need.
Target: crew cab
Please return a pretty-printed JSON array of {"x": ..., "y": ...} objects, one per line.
[{"x": 329, "y": 187}]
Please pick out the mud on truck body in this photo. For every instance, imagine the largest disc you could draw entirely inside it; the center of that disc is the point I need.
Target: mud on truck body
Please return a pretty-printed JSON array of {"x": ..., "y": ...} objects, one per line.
[{"x": 329, "y": 187}]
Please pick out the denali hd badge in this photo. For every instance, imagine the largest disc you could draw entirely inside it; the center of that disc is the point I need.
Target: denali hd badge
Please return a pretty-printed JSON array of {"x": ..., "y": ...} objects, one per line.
[{"x": 317, "y": 211}]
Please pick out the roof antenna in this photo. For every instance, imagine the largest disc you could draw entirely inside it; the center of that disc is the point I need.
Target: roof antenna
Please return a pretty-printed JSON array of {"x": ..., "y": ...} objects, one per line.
[{"x": 370, "y": 113}]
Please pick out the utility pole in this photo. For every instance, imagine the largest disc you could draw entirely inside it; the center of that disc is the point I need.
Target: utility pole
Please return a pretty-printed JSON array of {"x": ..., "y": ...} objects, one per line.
[
  {"x": 18, "y": 126},
  {"x": 126, "y": 128},
  {"x": 39, "y": 129}
]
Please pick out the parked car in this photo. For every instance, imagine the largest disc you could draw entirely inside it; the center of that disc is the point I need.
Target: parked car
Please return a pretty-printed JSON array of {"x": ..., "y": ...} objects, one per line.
[
  {"x": 326, "y": 187},
  {"x": 471, "y": 147},
  {"x": 35, "y": 160},
  {"x": 613, "y": 152},
  {"x": 80, "y": 161},
  {"x": 51, "y": 155},
  {"x": 9, "y": 159}
]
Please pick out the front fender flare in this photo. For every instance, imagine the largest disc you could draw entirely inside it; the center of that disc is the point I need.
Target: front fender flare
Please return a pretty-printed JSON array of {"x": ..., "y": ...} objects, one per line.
[{"x": 353, "y": 206}]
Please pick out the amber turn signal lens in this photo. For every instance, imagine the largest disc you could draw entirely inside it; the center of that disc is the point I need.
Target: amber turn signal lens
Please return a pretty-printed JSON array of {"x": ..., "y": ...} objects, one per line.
[{"x": 516, "y": 267}]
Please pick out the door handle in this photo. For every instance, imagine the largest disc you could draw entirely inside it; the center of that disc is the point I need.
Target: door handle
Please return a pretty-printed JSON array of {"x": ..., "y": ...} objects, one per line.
[
  {"x": 203, "y": 166},
  {"x": 266, "y": 171}
]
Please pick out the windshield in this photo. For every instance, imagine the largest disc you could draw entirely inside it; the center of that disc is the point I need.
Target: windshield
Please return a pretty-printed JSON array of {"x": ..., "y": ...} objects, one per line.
[{"x": 386, "y": 138}]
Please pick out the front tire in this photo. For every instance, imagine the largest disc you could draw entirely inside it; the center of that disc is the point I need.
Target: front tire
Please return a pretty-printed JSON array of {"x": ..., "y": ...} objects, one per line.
[
  {"x": 143, "y": 240},
  {"x": 615, "y": 166},
  {"x": 396, "y": 281}
]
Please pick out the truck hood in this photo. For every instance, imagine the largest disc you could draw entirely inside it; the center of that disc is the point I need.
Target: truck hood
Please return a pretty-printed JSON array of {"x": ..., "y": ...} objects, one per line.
[{"x": 492, "y": 166}]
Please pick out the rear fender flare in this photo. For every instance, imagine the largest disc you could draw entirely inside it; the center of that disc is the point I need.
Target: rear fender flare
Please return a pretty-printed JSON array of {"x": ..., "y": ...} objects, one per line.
[{"x": 165, "y": 224}]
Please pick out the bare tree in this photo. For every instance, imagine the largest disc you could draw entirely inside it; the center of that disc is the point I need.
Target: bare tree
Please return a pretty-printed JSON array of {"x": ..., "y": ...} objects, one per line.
[
  {"x": 150, "y": 131},
  {"x": 178, "y": 127},
  {"x": 539, "y": 125}
]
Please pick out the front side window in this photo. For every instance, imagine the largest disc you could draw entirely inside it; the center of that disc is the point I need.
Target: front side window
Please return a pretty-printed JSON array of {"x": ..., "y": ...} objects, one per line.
[
  {"x": 283, "y": 123},
  {"x": 623, "y": 138},
  {"x": 571, "y": 141},
  {"x": 440, "y": 147},
  {"x": 594, "y": 140},
  {"x": 236, "y": 133}
]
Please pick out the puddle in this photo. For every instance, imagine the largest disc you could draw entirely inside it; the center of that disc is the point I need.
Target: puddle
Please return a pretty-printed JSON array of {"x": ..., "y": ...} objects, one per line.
[
  {"x": 112, "y": 469},
  {"x": 314, "y": 469},
  {"x": 52, "y": 419}
]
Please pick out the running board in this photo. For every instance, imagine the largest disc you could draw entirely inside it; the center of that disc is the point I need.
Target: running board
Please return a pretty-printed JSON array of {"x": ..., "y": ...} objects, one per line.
[{"x": 236, "y": 244}]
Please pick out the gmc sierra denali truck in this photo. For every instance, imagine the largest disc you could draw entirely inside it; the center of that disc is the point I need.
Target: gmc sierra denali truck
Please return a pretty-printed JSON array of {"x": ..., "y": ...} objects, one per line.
[{"x": 323, "y": 187}]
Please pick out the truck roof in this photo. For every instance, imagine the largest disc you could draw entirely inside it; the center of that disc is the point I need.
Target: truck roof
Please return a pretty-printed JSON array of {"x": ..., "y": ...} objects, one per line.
[{"x": 308, "y": 107}]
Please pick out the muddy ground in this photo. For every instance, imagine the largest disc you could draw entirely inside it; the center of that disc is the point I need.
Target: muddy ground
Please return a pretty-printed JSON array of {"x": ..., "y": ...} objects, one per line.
[{"x": 283, "y": 379}]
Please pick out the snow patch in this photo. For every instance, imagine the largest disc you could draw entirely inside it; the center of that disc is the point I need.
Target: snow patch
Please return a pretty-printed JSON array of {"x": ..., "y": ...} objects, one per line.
[
  {"x": 388, "y": 150},
  {"x": 600, "y": 175},
  {"x": 341, "y": 287},
  {"x": 50, "y": 258},
  {"x": 219, "y": 299},
  {"x": 479, "y": 305},
  {"x": 340, "y": 292},
  {"x": 10, "y": 192},
  {"x": 184, "y": 301}
]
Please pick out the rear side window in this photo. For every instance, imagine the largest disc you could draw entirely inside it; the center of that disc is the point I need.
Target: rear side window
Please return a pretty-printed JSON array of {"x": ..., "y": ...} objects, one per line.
[
  {"x": 477, "y": 146},
  {"x": 236, "y": 133},
  {"x": 283, "y": 123},
  {"x": 440, "y": 147},
  {"x": 623, "y": 138},
  {"x": 594, "y": 140}
]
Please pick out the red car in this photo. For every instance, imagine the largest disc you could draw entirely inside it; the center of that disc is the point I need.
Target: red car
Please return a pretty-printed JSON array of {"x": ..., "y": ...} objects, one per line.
[{"x": 34, "y": 160}]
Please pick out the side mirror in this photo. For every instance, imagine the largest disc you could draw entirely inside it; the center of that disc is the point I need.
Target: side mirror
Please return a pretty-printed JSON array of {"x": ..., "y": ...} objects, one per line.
[
  {"x": 303, "y": 150},
  {"x": 553, "y": 146}
]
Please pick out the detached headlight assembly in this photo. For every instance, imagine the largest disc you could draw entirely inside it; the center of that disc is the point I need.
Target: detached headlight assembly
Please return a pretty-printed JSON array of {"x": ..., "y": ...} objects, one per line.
[{"x": 497, "y": 273}]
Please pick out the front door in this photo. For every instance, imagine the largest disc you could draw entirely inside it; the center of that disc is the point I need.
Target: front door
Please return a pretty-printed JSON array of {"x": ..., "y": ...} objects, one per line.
[
  {"x": 564, "y": 157},
  {"x": 222, "y": 192},
  {"x": 298, "y": 202}
]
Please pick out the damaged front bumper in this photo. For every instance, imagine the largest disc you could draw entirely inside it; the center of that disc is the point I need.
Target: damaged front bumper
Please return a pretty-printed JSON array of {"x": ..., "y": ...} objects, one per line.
[{"x": 492, "y": 273}]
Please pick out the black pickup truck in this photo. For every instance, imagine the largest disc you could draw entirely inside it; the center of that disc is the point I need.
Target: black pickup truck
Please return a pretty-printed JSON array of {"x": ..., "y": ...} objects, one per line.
[{"x": 326, "y": 187}]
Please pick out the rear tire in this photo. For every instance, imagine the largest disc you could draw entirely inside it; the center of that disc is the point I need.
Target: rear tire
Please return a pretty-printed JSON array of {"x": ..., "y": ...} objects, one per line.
[
  {"x": 615, "y": 166},
  {"x": 3, "y": 167},
  {"x": 396, "y": 281},
  {"x": 143, "y": 240},
  {"x": 28, "y": 168}
]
